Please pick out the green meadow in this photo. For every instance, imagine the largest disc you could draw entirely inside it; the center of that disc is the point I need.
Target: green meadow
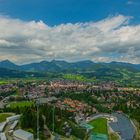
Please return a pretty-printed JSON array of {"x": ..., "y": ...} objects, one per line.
[
  {"x": 3, "y": 116},
  {"x": 100, "y": 126},
  {"x": 20, "y": 104}
]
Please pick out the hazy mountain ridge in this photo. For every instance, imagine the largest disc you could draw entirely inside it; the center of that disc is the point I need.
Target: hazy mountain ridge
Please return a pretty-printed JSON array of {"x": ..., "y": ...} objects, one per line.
[
  {"x": 10, "y": 73},
  {"x": 55, "y": 66},
  {"x": 87, "y": 68}
]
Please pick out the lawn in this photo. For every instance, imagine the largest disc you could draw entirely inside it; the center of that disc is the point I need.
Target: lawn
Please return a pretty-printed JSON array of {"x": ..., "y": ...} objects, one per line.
[
  {"x": 113, "y": 136},
  {"x": 74, "y": 77},
  {"x": 3, "y": 82},
  {"x": 3, "y": 117},
  {"x": 20, "y": 104},
  {"x": 100, "y": 126}
]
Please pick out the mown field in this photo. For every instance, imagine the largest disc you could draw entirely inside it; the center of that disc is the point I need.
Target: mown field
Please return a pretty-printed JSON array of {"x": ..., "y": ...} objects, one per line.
[
  {"x": 100, "y": 126},
  {"x": 20, "y": 104},
  {"x": 74, "y": 77},
  {"x": 3, "y": 82}
]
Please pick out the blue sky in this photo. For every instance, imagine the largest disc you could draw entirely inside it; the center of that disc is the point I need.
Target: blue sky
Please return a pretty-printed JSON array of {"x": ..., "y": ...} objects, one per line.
[
  {"x": 54, "y": 12},
  {"x": 71, "y": 30}
]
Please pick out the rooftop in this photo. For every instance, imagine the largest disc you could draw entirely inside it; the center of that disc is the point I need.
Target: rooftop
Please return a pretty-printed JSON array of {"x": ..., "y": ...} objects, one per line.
[{"x": 22, "y": 134}]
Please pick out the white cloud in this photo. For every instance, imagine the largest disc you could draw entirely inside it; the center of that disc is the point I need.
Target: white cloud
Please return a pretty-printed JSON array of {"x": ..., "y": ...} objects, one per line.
[
  {"x": 131, "y": 2},
  {"x": 111, "y": 39}
]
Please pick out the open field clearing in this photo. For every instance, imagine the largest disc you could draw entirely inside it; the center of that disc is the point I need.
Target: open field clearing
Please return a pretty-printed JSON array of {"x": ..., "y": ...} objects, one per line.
[
  {"x": 20, "y": 104},
  {"x": 3, "y": 116},
  {"x": 100, "y": 126}
]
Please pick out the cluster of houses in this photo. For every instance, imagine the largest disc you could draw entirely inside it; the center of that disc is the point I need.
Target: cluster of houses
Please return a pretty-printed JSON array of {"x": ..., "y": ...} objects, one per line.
[
  {"x": 68, "y": 104},
  {"x": 80, "y": 109},
  {"x": 66, "y": 82},
  {"x": 74, "y": 105},
  {"x": 77, "y": 84},
  {"x": 33, "y": 91},
  {"x": 7, "y": 87}
]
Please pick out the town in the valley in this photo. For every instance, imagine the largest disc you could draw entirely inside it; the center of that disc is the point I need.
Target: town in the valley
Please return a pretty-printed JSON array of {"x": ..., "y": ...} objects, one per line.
[{"x": 59, "y": 109}]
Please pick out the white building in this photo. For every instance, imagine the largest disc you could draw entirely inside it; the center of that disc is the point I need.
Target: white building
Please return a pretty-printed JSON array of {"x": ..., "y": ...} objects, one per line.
[
  {"x": 3, "y": 136},
  {"x": 2, "y": 125},
  {"x": 14, "y": 125},
  {"x": 22, "y": 135},
  {"x": 12, "y": 118}
]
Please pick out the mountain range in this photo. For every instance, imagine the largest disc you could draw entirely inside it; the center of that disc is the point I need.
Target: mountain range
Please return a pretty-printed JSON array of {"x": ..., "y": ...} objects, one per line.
[
  {"x": 88, "y": 69},
  {"x": 60, "y": 66}
]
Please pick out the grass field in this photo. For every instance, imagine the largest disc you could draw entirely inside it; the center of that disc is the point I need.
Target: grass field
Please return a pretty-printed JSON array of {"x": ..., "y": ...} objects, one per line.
[
  {"x": 100, "y": 126},
  {"x": 74, "y": 77},
  {"x": 3, "y": 117},
  {"x": 113, "y": 136},
  {"x": 20, "y": 104},
  {"x": 3, "y": 82}
]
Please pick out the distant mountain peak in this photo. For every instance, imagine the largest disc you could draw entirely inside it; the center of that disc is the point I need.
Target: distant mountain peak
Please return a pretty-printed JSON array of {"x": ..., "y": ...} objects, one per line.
[
  {"x": 6, "y": 61},
  {"x": 8, "y": 64}
]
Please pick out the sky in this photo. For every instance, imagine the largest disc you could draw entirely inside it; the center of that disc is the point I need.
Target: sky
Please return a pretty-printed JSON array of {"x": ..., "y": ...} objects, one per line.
[{"x": 71, "y": 30}]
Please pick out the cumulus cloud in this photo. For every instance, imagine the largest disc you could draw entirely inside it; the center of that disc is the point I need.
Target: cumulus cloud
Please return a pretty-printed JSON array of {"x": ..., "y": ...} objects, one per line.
[{"x": 111, "y": 39}]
